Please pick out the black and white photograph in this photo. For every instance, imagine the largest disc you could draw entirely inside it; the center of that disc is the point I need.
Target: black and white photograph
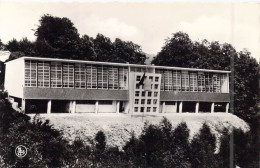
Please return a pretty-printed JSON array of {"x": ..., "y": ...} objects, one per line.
[{"x": 129, "y": 84}]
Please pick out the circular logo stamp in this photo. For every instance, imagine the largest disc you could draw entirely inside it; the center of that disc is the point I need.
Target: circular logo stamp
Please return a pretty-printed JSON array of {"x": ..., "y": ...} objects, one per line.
[{"x": 21, "y": 151}]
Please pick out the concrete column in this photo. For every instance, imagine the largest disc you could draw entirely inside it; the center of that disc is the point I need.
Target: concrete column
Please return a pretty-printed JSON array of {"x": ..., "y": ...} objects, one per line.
[
  {"x": 49, "y": 107},
  {"x": 175, "y": 107},
  {"x": 227, "y": 107},
  {"x": 73, "y": 110},
  {"x": 23, "y": 106},
  {"x": 180, "y": 107},
  {"x": 117, "y": 106},
  {"x": 96, "y": 107},
  {"x": 197, "y": 108},
  {"x": 212, "y": 107},
  {"x": 163, "y": 107}
]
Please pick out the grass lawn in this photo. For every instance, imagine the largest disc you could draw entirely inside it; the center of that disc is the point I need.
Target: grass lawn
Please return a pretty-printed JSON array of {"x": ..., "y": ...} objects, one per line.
[{"x": 118, "y": 127}]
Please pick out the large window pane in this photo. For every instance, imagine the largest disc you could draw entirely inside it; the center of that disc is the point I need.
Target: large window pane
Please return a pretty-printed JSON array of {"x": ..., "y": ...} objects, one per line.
[
  {"x": 91, "y": 76},
  {"x": 185, "y": 81},
  {"x": 68, "y": 75},
  {"x": 102, "y": 77},
  {"x": 123, "y": 78},
  {"x": 56, "y": 75},
  {"x": 43, "y": 74},
  {"x": 168, "y": 80},
  {"x": 113, "y": 77},
  {"x": 176, "y": 80},
  {"x": 216, "y": 83},
  {"x": 201, "y": 82},
  {"x": 80, "y": 76},
  {"x": 30, "y": 73},
  {"x": 208, "y": 82},
  {"x": 193, "y": 82}
]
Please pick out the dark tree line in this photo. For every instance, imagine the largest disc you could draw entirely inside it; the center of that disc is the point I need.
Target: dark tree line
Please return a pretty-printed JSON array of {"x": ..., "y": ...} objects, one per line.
[{"x": 58, "y": 38}]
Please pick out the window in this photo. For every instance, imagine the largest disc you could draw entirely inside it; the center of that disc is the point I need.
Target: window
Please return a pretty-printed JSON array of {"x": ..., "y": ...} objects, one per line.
[
  {"x": 156, "y": 86},
  {"x": 136, "y": 101},
  {"x": 193, "y": 82},
  {"x": 80, "y": 76},
  {"x": 137, "y": 86},
  {"x": 105, "y": 102},
  {"x": 216, "y": 83},
  {"x": 138, "y": 78},
  {"x": 176, "y": 80},
  {"x": 168, "y": 80},
  {"x": 91, "y": 76},
  {"x": 136, "y": 109},
  {"x": 201, "y": 82},
  {"x": 137, "y": 93},
  {"x": 30, "y": 73},
  {"x": 113, "y": 77},
  {"x": 102, "y": 77},
  {"x": 142, "y": 101},
  {"x": 148, "y": 101},
  {"x": 149, "y": 94},
  {"x": 123, "y": 75},
  {"x": 154, "y": 101},
  {"x": 155, "y": 94},
  {"x": 43, "y": 74},
  {"x": 148, "y": 109},
  {"x": 142, "y": 109},
  {"x": 143, "y": 94},
  {"x": 185, "y": 81},
  {"x": 160, "y": 71},
  {"x": 154, "y": 109},
  {"x": 68, "y": 75},
  {"x": 56, "y": 75},
  {"x": 151, "y": 78},
  {"x": 208, "y": 82}
]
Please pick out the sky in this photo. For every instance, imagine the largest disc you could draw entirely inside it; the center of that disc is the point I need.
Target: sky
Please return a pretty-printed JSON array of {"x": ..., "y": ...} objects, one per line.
[{"x": 147, "y": 24}]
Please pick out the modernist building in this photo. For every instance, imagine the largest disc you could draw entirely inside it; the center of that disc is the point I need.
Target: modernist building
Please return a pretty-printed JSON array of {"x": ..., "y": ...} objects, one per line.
[{"x": 76, "y": 86}]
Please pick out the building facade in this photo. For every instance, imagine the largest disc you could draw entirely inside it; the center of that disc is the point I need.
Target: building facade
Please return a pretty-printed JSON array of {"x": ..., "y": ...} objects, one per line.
[{"x": 73, "y": 86}]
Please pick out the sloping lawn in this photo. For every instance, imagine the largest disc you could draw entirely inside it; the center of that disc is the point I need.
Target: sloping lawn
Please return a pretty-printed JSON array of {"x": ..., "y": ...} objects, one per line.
[{"x": 118, "y": 127}]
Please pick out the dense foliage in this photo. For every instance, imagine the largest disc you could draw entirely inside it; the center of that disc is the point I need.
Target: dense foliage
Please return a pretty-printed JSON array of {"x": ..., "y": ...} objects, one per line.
[{"x": 59, "y": 38}]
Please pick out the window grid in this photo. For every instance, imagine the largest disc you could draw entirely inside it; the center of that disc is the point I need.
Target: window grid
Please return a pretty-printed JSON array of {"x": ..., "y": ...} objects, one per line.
[
  {"x": 68, "y": 75},
  {"x": 112, "y": 77},
  {"x": 80, "y": 76},
  {"x": 56, "y": 75},
  {"x": 30, "y": 74},
  {"x": 193, "y": 82}
]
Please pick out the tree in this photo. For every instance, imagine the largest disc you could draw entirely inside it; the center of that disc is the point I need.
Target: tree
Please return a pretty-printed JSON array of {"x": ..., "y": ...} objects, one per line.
[
  {"x": 202, "y": 149},
  {"x": 59, "y": 36}
]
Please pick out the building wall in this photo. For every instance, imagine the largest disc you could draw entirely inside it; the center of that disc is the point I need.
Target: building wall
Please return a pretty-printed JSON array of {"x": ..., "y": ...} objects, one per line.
[
  {"x": 14, "y": 78},
  {"x": 74, "y": 94},
  {"x": 194, "y": 96}
]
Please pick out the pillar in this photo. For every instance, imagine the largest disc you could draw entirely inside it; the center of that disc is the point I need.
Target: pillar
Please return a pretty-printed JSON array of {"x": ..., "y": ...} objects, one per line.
[
  {"x": 197, "y": 107},
  {"x": 117, "y": 106},
  {"x": 73, "y": 110},
  {"x": 49, "y": 107},
  {"x": 163, "y": 107},
  {"x": 227, "y": 107},
  {"x": 175, "y": 107},
  {"x": 96, "y": 107},
  {"x": 180, "y": 107},
  {"x": 23, "y": 106},
  {"x": 212, "y": 107}
]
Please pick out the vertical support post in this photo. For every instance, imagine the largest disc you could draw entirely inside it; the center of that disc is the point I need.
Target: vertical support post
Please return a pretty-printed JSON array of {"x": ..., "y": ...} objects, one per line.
[
  {"x": 163, "y": 107},
  {"x": 49, "y": 107},
  {"x": 175, "y": 107},
  {"x": 227, "y": 107},
  {"x": 117, "y": 106},
  {"x": 96, "y": 107},
  {"x": 180, "y": 107},
  {"x": 23, "y": 106},
  {"x": 212, "y": 107},
  {"x": 73, "y": 110},
  {"x": 197, "y": 107}
]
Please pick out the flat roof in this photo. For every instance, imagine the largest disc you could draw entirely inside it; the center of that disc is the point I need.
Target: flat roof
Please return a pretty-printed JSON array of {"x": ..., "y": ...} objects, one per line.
[{"x": 120, "y": 64}]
